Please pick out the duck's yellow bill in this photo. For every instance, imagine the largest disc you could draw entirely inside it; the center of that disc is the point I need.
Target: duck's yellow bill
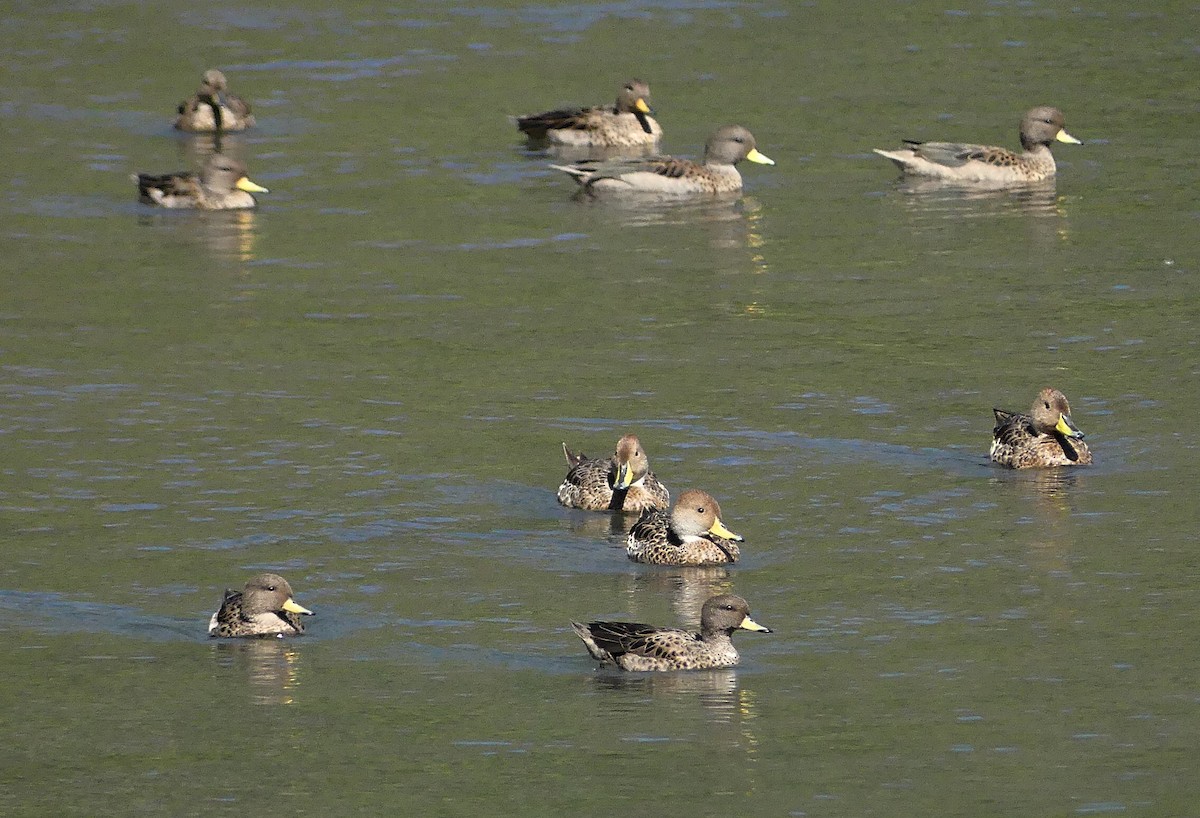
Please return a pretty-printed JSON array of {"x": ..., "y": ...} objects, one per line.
[
  {"x": 762, "y": 159},
  {"x": 291, "y": 606},
  {"x": 642, "y": 106},
  {"x": 720, "y": 530},
  {"x": 1063, "y": 136},
  {"x": 749, "y": 624},
  {"x": 1067, "y": 428},
  {"x": 624, "y": 477},
  {"x": 245, "y": 184}
]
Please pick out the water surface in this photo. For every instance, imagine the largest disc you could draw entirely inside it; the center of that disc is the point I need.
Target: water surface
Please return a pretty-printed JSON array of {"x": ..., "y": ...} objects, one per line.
[{"x": 365, "y": 384}]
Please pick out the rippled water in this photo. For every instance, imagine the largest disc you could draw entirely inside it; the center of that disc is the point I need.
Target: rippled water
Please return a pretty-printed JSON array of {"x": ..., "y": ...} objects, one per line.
[{"x": 365, "y": 384}]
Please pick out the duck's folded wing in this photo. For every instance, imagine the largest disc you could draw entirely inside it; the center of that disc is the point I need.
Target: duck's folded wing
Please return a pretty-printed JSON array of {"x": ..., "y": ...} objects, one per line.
[
  {"x": 538, "y": 124},
  {"x": 950, "y": 154},
  {"x": 154, "y": 188},
  {"x": 1012, "y": 428},
  {"x": 627, "y": 637},
  {"x": 665, "y": 166}
]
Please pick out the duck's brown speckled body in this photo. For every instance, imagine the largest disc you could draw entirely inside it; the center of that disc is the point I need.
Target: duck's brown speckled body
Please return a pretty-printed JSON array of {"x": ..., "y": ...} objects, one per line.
[
  {"x": 669, "y": 176},
  {"x": 223, "y": 184},
  {"x": 213, "y": 108},
  {"x": 622, "y": 482},
  {"x": 1045, "y": 437},
  {"x": 957, "y": 162},
  {"x": 691, "y": 534},
  {"x": 627, "y": 124},
  {"x": 631, "y": 646},
  {"x": 264, "y": 607}
]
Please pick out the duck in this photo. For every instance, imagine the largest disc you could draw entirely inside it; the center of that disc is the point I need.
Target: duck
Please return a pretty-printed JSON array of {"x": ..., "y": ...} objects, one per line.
[
  {"x": 691, "y": 534},
  {"x": 622, "y": 482},
  {"x": 626, "y": 124},
  {"x": 631, "y": 646},
  {"x": 955, "y": 162},
  {"x": 1045, "y": 437},
  {"x": 213, "y": 108},
  {"x": 264, "y": 607},
  {"x": 223, "y": 184},
  {"x": 667, "y": 175}
]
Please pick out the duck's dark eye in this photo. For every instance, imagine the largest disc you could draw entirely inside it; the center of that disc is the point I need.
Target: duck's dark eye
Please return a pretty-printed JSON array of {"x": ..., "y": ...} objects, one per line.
[
  {"x": 270, "y": 587},
  {"x": 1046, "y": 405},
  {"x": 700, "y": 509},
  {"x": 727, "y": 607}
]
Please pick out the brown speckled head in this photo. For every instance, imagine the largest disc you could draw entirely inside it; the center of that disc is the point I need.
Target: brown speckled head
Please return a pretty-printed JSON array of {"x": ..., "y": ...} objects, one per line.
[
  {"x": 1043, "y": 125},
  {"x": 630, "y": 461},
  {"x": 697, "y": 513},
  {"x": 727, "y": 613},
  {"x": 213, "y": 82},
  {"x": 634, "y": 98},
  {"x": 730, "y": 145},
  {"x": 1052, "y": 414},
  {"x": 268, "y": 593}
]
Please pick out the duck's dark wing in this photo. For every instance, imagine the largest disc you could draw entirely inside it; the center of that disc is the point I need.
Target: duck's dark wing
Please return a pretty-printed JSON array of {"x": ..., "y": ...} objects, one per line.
[
  {"x": 536, "y": 125},
  {"x": 643, "y": 640},
  {"x": 1013, "y": 428},
  {"x": 589, "y": 474},
  {"x": 653, "y": 526},
  {"x": 238, "y": 105},
  {"x": 666, "y": 166},
  {"x": 152, "y": 189},
  {"x": 956, "y": 154},
  {"x": 573, "y": 458}
]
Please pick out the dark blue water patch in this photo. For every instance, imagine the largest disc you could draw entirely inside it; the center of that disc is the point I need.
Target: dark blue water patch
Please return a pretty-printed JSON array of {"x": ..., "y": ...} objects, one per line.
[
  {"x": 129, "y": 120},
  {"x": 386, "y": 529},
  {"x": 74, "y": 207},
  {"x": 514, "y": 499},
  {"x": 917, "y": 617},
  {"x": 1101, "y": 807},
  {"x": 57, "y": 613},
  {"x": 572, "y": 19},
  {"x": 239, "y": 543},
  {"x": 961, "y": 460},
  {"x": 503, "y": 244},
  {"x": 123, "y": 507},
  {"x": 347, "y": 70}
]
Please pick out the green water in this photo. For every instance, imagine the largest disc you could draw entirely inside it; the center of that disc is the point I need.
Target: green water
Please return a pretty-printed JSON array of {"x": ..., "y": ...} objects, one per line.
[{"x": 365, "y": 385}]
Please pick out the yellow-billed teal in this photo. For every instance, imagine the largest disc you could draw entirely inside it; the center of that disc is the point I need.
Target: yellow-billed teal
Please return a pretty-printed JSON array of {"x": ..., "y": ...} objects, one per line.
[
  {"x": 630, "y": 646},
  {"x": 622, "y": 482},
  {"x": 213, "y": 108},
  {"x": 221, "y": 185},
  {"x": 666, "y": 175},
  {"x": 263, "y": 608},
  {"x": 626, "y": 124},
  {"x": 691, "y": 534},
  {"x": 952, "y": 161},
  {"x": 1045, "y": 437}
]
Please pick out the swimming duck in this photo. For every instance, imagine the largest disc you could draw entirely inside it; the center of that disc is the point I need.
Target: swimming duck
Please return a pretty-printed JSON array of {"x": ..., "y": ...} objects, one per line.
[
  {"x": 626, "y": 124},
  {"x": 221, "y": 185},
  {"x": 263, "y": 608},
  {"x": 670, "y": 176},
  {"x": 953, "y": 161},
  {"x": 212, "y": 108},
  {"x": 622, "y": 482},
  {"x": 1045, "y": 437},
  {"x": 630, "y": 646},
  {"x": 691, "y": 534}
]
